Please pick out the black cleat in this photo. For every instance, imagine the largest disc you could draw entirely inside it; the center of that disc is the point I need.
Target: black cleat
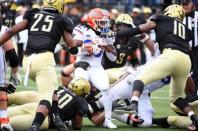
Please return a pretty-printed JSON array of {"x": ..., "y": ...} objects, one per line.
[
  {"x": 60, "y": 125},
  {"x": 130, "y": 109},
  {"x": 194, "y": 126},
  {"x": 34, "y": 128}
]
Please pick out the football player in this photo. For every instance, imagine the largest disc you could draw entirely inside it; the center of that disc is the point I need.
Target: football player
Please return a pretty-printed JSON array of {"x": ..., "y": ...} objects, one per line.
[
  {"x": 93, "y": 47},
  {"x": 45, "y": 27},
  {"x": 173, "y": 43},
  {"x": 9, "y": 14},
  {"x": 125, "y": 46},
  {"x": 68, "y": 104},
  {"x": 8, "y": 50}
]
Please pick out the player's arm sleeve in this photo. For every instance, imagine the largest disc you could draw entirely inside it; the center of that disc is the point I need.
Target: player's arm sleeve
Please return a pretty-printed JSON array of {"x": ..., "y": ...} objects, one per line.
[
  {"x": 78, "y": 33},
  {"x": 67, "y": 24},
  {"x": 84, "y": 108}
]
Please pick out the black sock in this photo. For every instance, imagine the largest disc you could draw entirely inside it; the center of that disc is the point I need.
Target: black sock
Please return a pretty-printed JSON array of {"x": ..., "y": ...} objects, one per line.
[
  {"x": 55, "y": 107},
  {"x": 161, "y": 122},
  {"x": 134, "y": 102},
  {"x": 39, "y": 118}
]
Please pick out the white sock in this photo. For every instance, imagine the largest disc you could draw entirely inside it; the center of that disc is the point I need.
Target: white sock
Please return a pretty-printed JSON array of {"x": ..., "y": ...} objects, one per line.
[
  {"x": 134, "y": 98},
  {"x": 191, "y": 113},
  {"x": 3, "y": 114}
]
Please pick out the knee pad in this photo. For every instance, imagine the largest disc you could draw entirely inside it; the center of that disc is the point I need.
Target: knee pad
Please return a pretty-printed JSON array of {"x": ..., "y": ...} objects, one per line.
[
  {"x": 181, "y": 103},
  {"x": 45, "y": 103},
  {"x": 138, "y": 85},
  {"x": 12, "y": 56}
]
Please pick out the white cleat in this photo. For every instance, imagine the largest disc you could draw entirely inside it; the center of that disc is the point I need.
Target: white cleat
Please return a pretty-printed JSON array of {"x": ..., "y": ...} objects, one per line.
[
  {"x": 6, "y": 127},
  {"x": 109, "y": 124}
]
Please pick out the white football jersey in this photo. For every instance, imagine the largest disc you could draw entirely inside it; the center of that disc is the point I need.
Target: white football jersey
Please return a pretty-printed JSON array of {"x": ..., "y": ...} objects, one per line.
[
  {"x": 83, "y": 33},
  {"x": 2, "y": 61}
]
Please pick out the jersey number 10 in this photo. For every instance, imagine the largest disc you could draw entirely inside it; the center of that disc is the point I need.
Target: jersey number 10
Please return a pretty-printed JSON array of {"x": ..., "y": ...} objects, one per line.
[
  {"x": 48, "y": 19},
  {"x": 179, "y": 29}
]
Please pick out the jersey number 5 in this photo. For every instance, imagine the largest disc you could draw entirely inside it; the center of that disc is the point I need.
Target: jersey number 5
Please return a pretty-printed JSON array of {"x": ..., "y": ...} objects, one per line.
[
  {"x": 179, "y": 29},
  {"x": 49, "y": 20}
]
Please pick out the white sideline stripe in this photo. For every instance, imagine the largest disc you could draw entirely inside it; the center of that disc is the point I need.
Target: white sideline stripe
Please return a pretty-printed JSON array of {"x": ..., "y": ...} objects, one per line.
[{"x": 161, "y": 98}]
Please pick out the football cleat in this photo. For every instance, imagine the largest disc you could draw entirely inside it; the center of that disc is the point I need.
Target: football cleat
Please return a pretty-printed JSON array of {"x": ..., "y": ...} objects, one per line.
[
  {"x": 6, "y": 127},
  {"x": 109, "y": 124},
  {"x": 60, "y": 125},
  {"x": 34, "y": 128},
  {"x": 15, "y": 79},
  {"x": 130, "y": 109},
  {"x": 194, "y": 126}
]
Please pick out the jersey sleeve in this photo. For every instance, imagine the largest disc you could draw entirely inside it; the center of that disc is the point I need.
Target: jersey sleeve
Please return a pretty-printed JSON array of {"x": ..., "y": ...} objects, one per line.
[
  {"x": 29, "y": 14},
  {"x": 78, "y": 33},
  {"x": 154, "y": 18},
  {"x": 84, "y": 109},
  {"x": 67, "y": 24}
]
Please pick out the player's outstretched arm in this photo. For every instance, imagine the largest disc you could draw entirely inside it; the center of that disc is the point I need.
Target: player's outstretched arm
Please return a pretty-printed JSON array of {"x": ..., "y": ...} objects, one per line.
[
  {"x": 73, "y": 49},
  {"x": 13, "y": 31}
]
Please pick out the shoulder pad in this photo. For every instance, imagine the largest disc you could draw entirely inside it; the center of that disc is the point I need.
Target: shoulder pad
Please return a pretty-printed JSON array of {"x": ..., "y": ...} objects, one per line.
[
  {"x": 67, "y": 23},
  {"x": 30, "y": 13},
  {"x": 155, "y": 17}
]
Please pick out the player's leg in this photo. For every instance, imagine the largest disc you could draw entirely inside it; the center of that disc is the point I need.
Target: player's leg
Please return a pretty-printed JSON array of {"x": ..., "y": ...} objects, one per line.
[
  {"x": 145, "y": 110},
  {"x": 43, "y": 65},
  {"x": 22, "y": 116},
  {"x": 23, "y": 97},
  {"x": 99, "y": 79},
  {"x": 114, "y": 74},
  {"x": 120, "y": 89},
  {"x": 79, "y": 72},
  {"x": 4, "y": 120}
]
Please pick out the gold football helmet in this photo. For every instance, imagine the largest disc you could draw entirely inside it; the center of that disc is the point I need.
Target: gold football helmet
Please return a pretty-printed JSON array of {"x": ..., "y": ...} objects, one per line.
[
  {"x": 79, "y": 86},
  {"x": 54, "y": 4},
  {"x": 124, "y": 19},
  {"x": 175, "y": 11}
]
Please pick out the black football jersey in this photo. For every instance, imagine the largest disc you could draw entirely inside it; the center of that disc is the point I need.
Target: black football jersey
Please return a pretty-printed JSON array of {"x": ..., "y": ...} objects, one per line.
[
  {"x": 123, "y": 50},
  {"x": 70, "y": 104},
  {"x": 9, "y": 17},
  {"x": 45, "y": 28},
  {"x": 171, "y": 33}
]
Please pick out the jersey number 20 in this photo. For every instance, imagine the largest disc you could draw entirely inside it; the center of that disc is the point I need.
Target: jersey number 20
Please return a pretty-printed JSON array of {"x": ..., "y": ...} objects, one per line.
[
  {"x": 48, "y": 19},
  {"x": 179, "y": 29}
]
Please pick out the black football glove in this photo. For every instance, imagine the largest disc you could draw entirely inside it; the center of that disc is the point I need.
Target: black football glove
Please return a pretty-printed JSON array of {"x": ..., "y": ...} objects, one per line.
[
  {"x": 10, "y": 88},
  {"x": 81, "y": 64}
]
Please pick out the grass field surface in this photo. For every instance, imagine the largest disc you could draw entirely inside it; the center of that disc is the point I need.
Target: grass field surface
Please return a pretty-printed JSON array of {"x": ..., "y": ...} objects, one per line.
[{"x": 159, "y": 101}]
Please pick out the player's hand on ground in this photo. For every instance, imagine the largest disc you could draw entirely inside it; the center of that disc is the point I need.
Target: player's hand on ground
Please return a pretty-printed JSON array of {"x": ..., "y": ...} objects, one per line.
[
  {"x": 82, "y": 64},
  {"x": 136, "y": 120},
  {"x": 10, "y": 88},
  {"x": 15, "y": 79}
]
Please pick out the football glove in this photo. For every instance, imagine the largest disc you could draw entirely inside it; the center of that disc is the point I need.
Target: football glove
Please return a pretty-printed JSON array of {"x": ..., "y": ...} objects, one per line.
[
  {"x": 81, "y": 64},
  {"x": 10, "y": 88},
  {"x": 109, "y": 34}
]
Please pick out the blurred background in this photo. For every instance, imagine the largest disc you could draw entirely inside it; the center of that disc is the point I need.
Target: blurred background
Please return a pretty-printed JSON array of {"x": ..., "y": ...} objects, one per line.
[{"x": 140, "y": 10}]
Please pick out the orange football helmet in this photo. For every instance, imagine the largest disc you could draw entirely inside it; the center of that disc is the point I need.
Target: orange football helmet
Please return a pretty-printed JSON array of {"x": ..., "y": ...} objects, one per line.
[{"x": 98, "y": 19}]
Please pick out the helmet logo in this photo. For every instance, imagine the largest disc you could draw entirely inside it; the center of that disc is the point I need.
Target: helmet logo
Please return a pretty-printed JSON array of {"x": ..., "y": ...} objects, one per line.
[{"x": 51, "y": 2}]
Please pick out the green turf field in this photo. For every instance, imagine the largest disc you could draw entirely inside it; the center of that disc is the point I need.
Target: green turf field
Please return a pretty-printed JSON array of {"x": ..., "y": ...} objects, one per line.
[{"x": 159, "y": 101}]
